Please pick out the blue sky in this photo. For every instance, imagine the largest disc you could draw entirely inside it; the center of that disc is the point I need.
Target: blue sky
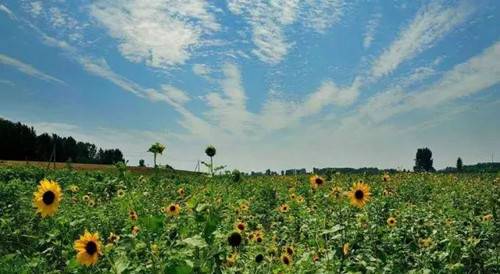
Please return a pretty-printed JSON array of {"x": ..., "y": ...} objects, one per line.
[{"x": 272, "y": 84}]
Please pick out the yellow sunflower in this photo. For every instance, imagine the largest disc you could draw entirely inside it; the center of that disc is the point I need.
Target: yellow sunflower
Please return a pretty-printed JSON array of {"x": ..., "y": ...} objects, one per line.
[
  {"x": 244, "y": 207},
  {"x": 135, "y": 230},
  {"x": 286, "y": 260},
  {"x": 487, "y": 217},
  {"x": 113, "y": 238},
  {"x": 391, "y": 221},
  {"x": 316, "y": 181},
  {"x": 88, "y": 248},
  {"x": 47, "y": 198},
  {"x": 85, "y": 198},
  {"x": 181, "y": 192},
  {"x": 386, "y": 178},
  {"x": 173, "y": 210},
  {"x": 240, "y": 226},
  {"x": 133, "y": 215},
  {"x": 424, "y": 243},
  {"x": 74, "y": 188},
  {"x": 284, "y": 208},
  {"x": 120, "y": 193},
  {"x": 336, "y": 193},
  {"x": 289, "y": 250},
  {"x": 300, "y": 199},
  {"x": 359, "y": 194},
  {"x": 345, "y": 249}
]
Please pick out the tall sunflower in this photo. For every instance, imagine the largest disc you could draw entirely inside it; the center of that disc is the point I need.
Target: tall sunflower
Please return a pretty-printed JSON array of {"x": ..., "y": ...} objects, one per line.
[
  {"x": 359, "y": 194},
  {"x": 47, "y": 198},
  {"x": 88, "y": 248},
  {"x": 316, "y": 181},
  {"x": 173, "y": 210}
]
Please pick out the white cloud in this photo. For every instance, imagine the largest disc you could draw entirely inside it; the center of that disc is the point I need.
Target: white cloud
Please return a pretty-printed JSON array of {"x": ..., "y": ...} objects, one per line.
[
  {"x": 476, "y": 74},
  {"x": 175, "y": 94},
  {"x": 429, "y": 25},
  {"x": 3, "y": 8},
  {"x": 269, "y": 19},
  {"x": 320, "y": 15},
  {"x": 161, "y": 33},
  {"x": 202, "y": 70},
  {"x": 370, "y": 30},
  {"x": 228, "y": 109},
  {"x": 28, "y": 69},
  {"x": 6, "y": 82},
  {"x": 36, "y": 8}
]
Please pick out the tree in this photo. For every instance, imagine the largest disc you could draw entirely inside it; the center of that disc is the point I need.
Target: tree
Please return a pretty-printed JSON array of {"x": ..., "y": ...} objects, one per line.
[
  {"x": 141, "y": 163},
  {"x": 423, "y": 160},
  {"x": 156, "y": 148},
  {"x": 210, "y": 151},
  {"x": 460, "y": 164}
]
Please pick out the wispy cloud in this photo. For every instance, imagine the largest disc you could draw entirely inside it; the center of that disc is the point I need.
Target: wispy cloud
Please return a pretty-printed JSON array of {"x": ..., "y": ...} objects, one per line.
[
  {"x": 7, "y": 11},
  {"x": 269, "y": 19},
  {"x": 429, "y": 25},
  {"x": 28, "y": 69},
  {"x": 160, "y": 33},
  {"x": 371, "y": 27},
  {"x": 6, "y": 82},
  {"x": 476, "y": 74}
]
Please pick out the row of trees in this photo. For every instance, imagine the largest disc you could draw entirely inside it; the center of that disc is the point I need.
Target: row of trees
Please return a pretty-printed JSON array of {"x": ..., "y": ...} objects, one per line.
[{"x": 20, "y": 142}]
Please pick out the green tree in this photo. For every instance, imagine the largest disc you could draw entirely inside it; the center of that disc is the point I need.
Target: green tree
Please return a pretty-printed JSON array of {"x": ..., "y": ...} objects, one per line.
[
  {"x": 141, "y": 163},
  {"x": 156, "y": 148},
  {"x": 460, "y": 164},
  {"x": 423, "y": 160}
]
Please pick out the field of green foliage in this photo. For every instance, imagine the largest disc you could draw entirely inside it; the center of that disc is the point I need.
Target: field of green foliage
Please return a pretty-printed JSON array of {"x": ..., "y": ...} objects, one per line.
[{"x": 172, "y": 223}]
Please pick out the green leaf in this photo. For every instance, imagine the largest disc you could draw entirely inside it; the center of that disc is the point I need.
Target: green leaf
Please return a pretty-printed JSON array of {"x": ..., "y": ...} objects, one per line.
[{"x": 196, "y": 241}]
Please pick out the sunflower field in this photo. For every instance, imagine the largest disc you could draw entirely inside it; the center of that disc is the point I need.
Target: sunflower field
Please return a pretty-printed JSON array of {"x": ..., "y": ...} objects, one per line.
[{"x": 66, "y": 221}]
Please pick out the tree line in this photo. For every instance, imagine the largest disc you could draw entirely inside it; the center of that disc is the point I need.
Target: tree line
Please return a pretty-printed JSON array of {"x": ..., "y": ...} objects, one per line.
[{"x": 20, "y": 142}]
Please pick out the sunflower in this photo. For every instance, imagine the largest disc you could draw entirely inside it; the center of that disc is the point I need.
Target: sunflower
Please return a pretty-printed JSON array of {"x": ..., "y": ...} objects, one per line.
[
  {"x": 345, "y": 249},
  {"x": 244, "y": 207},
  {"x": 133, "y": 215},
  {"x": 47, "y": 197},
  {"x": 386, "y": 178},
  {"x": 391, "y": 221},
  {"x": 113, "y": 238},
  {"x": 284, "y": 208},
  {"x": 316, "y": 181},
  {"x": 300, "y": 199},
  {"x": 135, "y": 230},
  {"x": 231, "y": 259},
  {"x": 181, "y": 192},
  {"x": 85, "y": 198},
  {"x": 120, "y": 193},
  {"x": 289, "y": 250},
  {"x": 487, "y": 217},
  {"x": 336, "y": 193},
  {"x": 240, "y": 226},
  {"x": 315, "y": 258},
  {"x": 234, "y": 239},
  {"x": 293, "y": 196},
  {"x": 359, "y": 194},
  {"x": 286, "y": 260},
  {"x": 88, "y": 248},
  {"x": 91, "y": 203},
  {"x": 173, "y": 210},
  {"x": 74, "y": 188},
  {"x": 259, "y": 258},
  {"x": 424, "y": 243}
]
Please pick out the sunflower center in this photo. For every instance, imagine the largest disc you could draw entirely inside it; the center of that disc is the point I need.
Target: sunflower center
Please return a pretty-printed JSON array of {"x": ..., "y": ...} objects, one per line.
[
  {"x": 48, "y": 197},
  {"x": 234, "y": 239},
  {"x": 172, "y": 208},
  {"x": 241, "y": 226},
  {"x": 359, "y": 194},
  {"x": 319, "y": 181},
  {"x": 286, "y": 260},
  {"x": 91, "y": 248}
]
